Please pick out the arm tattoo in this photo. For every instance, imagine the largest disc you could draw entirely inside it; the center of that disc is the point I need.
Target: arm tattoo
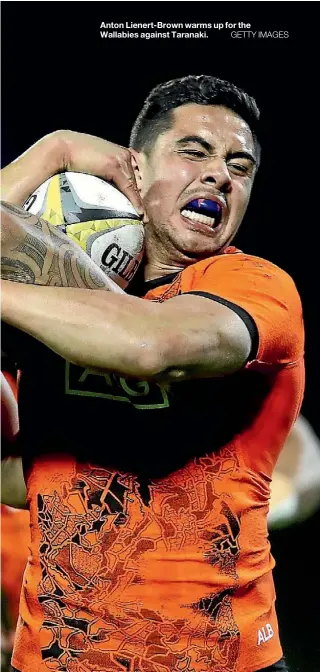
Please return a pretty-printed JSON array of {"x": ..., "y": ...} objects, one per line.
[
  {"x": 17, "y": 271},
  {"x": 36, "y": 252}
]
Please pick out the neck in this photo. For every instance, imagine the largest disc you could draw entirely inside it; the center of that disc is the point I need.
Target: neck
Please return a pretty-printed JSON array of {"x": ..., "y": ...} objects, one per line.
[
  {"x": 155, "y": 269},
  {"x": 158, "y": 264},
  {"x": 161, "y": 259}
]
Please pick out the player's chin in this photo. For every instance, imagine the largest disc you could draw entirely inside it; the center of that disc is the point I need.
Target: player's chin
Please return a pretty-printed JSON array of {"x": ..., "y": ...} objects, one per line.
[
  {"x": 196, "y": 248},
  {"x": 202, "y": 241}
]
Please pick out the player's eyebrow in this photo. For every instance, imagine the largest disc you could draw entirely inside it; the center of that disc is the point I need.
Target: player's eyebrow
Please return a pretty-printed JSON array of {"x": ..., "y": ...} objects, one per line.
[
  {"x": 195, "y": 138},
  {"x": 208, "y": 147}
]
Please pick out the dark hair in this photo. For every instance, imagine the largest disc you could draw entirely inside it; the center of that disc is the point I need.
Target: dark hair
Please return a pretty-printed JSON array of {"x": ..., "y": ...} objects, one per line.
[{"x": 156, "y": 115}]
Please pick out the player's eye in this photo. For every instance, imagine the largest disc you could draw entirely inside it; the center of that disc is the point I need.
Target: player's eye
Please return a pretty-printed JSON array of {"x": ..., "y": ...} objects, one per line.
[
  {"x": 196, "y": 153},
  {"x": 238, "y": 168}
]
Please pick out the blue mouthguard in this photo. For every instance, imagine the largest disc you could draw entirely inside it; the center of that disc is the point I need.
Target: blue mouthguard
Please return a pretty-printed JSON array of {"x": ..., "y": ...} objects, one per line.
[{"x": 205, "y": 204}]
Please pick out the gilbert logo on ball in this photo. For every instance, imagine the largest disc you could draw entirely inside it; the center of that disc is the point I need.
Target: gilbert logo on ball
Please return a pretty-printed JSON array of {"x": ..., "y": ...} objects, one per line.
[{"x": 95, "y": 215}]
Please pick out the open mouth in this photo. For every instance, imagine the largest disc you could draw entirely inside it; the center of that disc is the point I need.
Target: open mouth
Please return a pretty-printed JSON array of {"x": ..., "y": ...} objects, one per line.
[{"x": 203, "y": 211}]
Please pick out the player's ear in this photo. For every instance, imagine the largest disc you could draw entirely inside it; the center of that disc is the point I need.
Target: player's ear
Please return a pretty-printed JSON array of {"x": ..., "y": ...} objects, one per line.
[{"x": 138, "y": 165}]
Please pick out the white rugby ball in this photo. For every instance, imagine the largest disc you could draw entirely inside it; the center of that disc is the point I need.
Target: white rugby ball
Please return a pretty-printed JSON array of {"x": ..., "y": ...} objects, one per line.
[{"x": 95, "y": 215}]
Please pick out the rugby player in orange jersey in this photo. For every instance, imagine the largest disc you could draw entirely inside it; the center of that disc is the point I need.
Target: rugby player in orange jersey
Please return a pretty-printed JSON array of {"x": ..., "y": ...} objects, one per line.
[{"x": 164, "y": 412}]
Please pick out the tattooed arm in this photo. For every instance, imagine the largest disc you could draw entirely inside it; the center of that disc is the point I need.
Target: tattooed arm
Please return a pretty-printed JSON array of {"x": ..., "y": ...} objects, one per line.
[
  {"x": 34, "y": 252},
  {"x": 180, "y": 338}
]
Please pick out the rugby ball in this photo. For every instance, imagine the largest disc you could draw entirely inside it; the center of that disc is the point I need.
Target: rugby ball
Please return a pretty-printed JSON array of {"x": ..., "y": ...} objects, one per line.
[{"x": 97, "y": 216}]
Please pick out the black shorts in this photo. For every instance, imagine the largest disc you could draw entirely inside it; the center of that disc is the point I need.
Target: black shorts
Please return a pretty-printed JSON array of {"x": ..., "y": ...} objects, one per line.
[
  {"x": 277, "y": 667},
  {"x": 280, "y": 666}
]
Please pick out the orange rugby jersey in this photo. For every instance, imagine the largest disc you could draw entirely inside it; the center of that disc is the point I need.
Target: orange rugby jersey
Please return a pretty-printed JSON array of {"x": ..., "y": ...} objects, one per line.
[{"x": 148, "y": 503}]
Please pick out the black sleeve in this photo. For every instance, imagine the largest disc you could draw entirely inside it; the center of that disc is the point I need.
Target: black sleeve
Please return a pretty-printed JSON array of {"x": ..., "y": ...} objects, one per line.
[{"x": 246, "y": 318}]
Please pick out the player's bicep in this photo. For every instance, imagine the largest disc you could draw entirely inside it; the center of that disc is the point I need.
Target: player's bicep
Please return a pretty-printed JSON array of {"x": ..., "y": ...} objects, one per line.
[
  {"x": 203, "y": 338},
  {"x": 269, "y": 296}
]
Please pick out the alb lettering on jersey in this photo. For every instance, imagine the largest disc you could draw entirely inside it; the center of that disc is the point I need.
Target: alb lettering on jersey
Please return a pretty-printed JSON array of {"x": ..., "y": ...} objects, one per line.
[{"x": 265, "y": 633}]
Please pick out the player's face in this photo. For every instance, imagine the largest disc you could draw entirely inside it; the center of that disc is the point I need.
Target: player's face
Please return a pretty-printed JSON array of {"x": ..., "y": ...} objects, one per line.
[{"x": 208, "y": 153}]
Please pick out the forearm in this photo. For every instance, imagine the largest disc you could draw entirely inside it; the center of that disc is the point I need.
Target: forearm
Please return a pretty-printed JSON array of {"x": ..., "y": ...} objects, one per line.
[
  {"x": 182, "y": 338},
  {"x": 73, "y": 323},
  {"x": 83, "y": 327},
  {"x": 21, "y": 177},
  {"x": 70, "y": 151}
]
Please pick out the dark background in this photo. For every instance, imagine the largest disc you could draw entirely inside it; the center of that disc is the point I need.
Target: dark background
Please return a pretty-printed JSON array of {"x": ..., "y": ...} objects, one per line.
[{"x": 58, "y": 73}]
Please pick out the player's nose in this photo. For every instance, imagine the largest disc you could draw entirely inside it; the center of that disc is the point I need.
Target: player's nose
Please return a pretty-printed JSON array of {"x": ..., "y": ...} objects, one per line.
[{"x": 216, "y": 172}]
